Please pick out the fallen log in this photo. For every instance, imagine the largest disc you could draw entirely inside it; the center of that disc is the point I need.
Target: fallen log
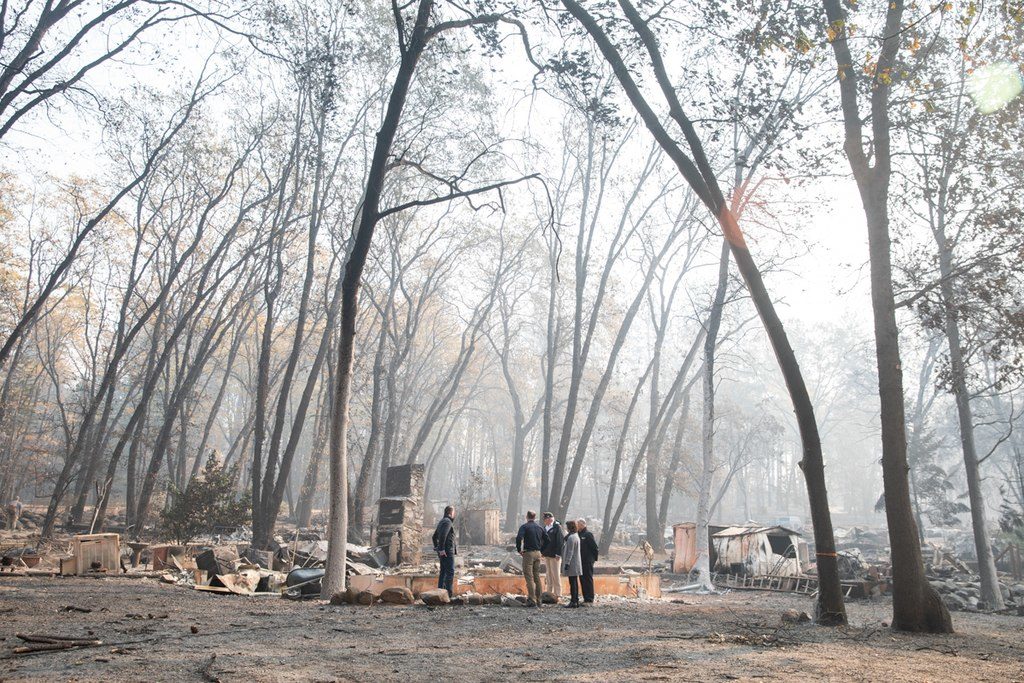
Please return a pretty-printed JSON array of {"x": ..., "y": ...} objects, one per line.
[
  {"x": 47, "y": 643},
  {"x": 41, "y": 638}
]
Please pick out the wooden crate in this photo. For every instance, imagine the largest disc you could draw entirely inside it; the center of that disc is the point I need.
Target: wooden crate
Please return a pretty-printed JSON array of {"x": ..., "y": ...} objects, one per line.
[{"x": 102, "y": 548}]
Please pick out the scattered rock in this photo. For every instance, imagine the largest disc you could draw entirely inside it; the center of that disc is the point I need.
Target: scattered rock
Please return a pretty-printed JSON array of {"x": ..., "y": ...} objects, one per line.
[
  {"x": 792, "y": 616},
  {"x": 435, "y": 597},
  {"x": 547, "y": 598},
  {"x": 954, "y": 601},
  {"x": 397, "y": 595},
  {"x": 365, "y": 598}
]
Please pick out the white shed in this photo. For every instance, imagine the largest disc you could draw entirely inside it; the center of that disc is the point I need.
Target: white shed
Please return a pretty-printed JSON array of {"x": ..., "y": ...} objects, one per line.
[{"x": 758, "y": 551}]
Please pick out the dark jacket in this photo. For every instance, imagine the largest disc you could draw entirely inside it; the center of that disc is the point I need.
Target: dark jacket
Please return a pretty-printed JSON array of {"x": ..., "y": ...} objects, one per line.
[
  {"x": 588, "y": 547},
  {"x": 444, "y": 537},
  {"x": 530, "y": 537},
  {"x": 553, "y": 541}
]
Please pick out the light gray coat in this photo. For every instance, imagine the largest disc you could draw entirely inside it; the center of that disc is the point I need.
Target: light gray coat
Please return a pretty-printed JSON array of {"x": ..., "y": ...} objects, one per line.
[{"x": 572, "y": 562}]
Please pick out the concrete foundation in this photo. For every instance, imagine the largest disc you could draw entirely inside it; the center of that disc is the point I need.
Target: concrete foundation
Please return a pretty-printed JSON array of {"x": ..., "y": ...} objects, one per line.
[{"x": 625, "y": 585}]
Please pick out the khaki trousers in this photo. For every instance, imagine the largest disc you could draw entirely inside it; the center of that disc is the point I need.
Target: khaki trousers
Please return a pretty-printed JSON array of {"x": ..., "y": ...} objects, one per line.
[
  {"x": 553, "y": 571},
  {"x": 531, "y": 570}
]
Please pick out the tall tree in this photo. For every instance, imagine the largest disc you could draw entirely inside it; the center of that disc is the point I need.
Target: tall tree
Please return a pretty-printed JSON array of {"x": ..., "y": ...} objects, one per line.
[{"x": 916, "y": 605}]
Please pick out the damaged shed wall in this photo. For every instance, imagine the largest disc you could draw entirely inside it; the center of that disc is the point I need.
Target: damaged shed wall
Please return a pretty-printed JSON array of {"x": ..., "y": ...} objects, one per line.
[{"x": 758, "y": 551}]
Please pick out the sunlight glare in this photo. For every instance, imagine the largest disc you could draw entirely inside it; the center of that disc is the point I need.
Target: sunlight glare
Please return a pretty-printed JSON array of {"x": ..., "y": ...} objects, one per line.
[{"x": 994, "y": 86}]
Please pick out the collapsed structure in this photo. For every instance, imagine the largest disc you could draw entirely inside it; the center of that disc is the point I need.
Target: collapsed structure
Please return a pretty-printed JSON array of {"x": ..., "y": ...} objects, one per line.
[{"x": 744, "y": 550}]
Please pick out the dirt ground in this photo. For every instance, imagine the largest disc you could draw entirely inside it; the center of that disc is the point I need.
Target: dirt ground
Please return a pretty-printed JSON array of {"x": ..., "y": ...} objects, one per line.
[{"x": 147, "y": 630}]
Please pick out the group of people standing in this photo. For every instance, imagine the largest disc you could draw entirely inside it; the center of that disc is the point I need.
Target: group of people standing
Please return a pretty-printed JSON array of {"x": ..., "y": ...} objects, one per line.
[{"x": 571, "y": 552}]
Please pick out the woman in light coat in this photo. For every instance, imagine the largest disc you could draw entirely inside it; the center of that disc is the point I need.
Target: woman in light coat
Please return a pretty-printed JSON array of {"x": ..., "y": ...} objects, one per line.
[{"x": 572, "y": 563}]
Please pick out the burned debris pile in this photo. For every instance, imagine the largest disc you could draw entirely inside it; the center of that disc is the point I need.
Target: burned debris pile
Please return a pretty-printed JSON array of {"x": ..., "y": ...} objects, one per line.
[{"x": 762, "y": 557}]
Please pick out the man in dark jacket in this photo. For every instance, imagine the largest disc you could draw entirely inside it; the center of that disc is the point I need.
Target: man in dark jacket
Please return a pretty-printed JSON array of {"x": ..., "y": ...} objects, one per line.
[
  {"x": 444, "y": 546},
  {"x": 588, "y": 552},
  {"x": 529, "y": 541},
  {"x": 554, "y": 539}
]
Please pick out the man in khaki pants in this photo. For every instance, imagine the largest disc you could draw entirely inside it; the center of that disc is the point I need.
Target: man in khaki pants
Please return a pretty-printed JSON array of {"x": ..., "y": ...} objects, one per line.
[
  {"x": 551, "y": 551},
  {"x": 529, "y": 541}
]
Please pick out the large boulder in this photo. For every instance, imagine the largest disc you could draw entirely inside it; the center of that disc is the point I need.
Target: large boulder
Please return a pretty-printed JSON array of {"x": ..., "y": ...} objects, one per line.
[
  {"x": 435, "y": 597},
  {"x": 397, "y": 595}
]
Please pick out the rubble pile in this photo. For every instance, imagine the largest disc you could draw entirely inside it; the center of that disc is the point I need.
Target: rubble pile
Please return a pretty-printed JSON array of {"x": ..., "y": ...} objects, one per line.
[
  {"x": 30, "y": 520},
  {"x": 222, "y": 570},
  {"x": 962, "y": 592}
]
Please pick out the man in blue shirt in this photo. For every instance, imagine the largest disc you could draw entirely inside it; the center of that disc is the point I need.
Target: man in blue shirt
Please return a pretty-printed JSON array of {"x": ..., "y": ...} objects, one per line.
[{"x": 529, "y": 541}]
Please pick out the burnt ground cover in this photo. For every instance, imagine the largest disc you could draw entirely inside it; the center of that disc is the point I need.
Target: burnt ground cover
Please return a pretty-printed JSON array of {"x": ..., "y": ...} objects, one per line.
[{"x": 158, "y": 632}]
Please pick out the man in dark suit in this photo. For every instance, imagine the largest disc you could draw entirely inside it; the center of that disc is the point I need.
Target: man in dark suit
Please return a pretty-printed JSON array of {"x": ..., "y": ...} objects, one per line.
[
  {"x": 444, "y": 546},
  {"x": 588, "y": 553}
]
